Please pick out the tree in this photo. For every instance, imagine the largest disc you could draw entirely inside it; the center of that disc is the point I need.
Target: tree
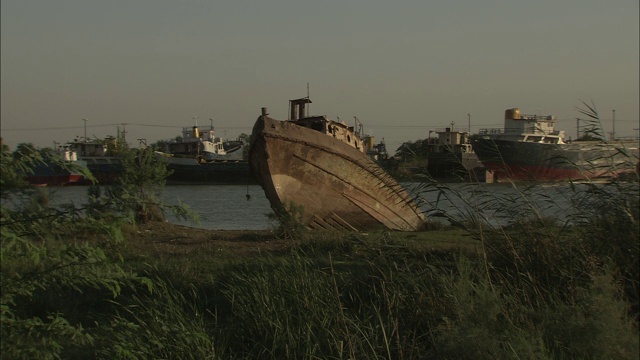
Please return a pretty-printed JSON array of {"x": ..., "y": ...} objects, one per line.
[
  {"x": 413, "y": 150},
  {"x": 14, "y": 167},
  {"x": 5, "y": 147},
  {"x": 46, "y": 267},
  {"x": 138, "y": 189},
  {"x": 163, "y": 145}
]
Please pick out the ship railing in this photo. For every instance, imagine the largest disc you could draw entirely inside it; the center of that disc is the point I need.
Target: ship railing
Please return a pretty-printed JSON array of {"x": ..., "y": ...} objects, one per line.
[
  {"x": 491, "y": 131},
  {"x": 538, "y": 117},
  {"x": 517, "y": 131},
  {"x": 627, "y": 138}
]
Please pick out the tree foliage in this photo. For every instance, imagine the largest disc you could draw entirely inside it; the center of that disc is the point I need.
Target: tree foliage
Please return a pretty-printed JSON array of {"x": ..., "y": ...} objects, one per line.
[
  {"x": 137, "y": 192},
  {"x": 413, "y": 150},
  {"x": 64, "y": 291},
  {"x": 14, "y": 166}
]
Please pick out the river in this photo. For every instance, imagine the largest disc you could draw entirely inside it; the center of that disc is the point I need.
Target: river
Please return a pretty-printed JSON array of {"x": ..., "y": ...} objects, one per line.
[
  {"x": 242, "y": 207},
  {"x": 219, "y": 207}
]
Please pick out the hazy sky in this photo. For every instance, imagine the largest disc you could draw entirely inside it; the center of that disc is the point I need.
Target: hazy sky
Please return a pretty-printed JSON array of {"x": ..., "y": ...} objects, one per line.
[{"x": 403, "y": 67}]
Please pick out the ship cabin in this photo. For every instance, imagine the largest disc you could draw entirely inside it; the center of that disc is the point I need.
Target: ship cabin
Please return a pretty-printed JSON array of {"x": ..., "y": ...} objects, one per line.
[
  {"x": 517, "y": 123},
  {"x": 450, "y": 141},
  {"x": 197, "y": 143},
  {"x": 194, "y": 134},
  {"x": 66, "y": 152},
  {"x": 338, "y": 130},
  {"x": 527, "y": 128},
  {"x": 95, "y": 148}
]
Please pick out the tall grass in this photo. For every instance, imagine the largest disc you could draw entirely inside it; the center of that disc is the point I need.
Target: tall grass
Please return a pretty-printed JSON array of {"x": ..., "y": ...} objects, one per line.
[{"x": 535, "y": 272}]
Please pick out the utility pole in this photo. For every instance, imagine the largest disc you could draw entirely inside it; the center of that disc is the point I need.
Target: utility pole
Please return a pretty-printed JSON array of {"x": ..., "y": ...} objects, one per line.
[
  {"x": 469, "y": 116},
  {"x": 451, "y": 134},
  {"x": 613, "y": 132},
  {"x": 85, "y": 130},
  {"x": 124, "y": 133}
]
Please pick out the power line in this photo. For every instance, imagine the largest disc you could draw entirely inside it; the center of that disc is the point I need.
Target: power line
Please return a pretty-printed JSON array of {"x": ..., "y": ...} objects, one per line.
[
  {"x": 115, "y": 124},
  {"x": 249, "y": 127},
  {"x": 154, "y": 125},
  {"x": 59, "y": 128},
  {"x": 178, "y": 127}
]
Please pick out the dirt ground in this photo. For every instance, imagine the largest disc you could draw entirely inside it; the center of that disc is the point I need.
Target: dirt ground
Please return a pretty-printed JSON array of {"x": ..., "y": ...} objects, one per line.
[
  {"x": 178, "y": 239},
  {"x": 162, "y": 239}
]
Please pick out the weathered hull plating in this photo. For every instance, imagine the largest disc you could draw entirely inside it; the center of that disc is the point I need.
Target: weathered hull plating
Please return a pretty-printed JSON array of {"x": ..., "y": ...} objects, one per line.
[
  {"x": 580, "y": 161},
  {"x": 326, "y": 182}
]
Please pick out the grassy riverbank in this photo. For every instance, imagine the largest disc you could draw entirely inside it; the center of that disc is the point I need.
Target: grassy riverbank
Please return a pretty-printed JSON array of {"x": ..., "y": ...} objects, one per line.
[
  {"x": 107, "y": 281},
  {"x": 168, "y": 291}
]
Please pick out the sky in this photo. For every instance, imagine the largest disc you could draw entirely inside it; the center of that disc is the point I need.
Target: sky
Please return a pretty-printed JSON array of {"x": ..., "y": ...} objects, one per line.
[{"x": 403, "y": 68}]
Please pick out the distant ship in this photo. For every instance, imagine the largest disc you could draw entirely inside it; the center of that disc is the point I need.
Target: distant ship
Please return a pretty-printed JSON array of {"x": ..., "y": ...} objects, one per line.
[
  {"x": 378, "y": 152},
  {"x": 528, "y": 148},
  {"x": 200, "y": 157},
  {"x": 452, "y": 158},
  {"x": 64, "y": 170},
  {"x": 317, "y": 171},
  {"x": 101, "y": 158}
]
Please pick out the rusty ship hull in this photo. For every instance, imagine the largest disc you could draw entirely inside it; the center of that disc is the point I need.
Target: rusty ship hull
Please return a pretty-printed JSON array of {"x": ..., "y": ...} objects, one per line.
[{"x": 331, "y": 184}]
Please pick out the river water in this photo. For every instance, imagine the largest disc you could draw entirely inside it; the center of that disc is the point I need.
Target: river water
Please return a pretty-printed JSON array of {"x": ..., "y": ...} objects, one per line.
[
  {"x": 242, "y": 207},
  {"x": 219, "y": 207}
]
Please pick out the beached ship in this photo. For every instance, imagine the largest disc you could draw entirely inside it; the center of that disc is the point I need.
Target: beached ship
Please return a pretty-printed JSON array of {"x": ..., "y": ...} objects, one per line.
[
  {"x": 200, "y": 157},
  {"x": 317, "y": 171},
  {"x": 60, "y": 167},
  {"x": 528, "y": 148}
]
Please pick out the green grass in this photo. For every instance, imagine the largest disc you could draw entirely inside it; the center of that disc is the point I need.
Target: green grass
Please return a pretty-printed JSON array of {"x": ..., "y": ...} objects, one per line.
[{"x": 535, "y": 288}]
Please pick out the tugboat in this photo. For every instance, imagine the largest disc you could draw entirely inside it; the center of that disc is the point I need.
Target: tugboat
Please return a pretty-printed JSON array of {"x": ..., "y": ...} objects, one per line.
[{"x": 317, "y": 170}]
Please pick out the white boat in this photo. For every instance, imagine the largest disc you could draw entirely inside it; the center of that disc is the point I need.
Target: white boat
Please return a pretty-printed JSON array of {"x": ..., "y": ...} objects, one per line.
[
  {"x": 200, "y": 157},
  {"x": 204, "y": 146}
]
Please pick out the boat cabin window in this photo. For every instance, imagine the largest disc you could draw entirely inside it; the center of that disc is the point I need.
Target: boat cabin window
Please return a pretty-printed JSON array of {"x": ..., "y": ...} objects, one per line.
[{"x": 318, "y": 125}]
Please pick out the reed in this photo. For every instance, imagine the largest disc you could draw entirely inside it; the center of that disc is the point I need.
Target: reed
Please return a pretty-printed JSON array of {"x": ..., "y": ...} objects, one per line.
[{"x": 495, "y": 277}]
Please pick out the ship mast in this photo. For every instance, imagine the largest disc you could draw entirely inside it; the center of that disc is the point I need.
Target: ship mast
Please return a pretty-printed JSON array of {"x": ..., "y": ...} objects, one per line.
[
  {"x": 613, "y": 132},
  {"x": 308, "y": 97}
]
